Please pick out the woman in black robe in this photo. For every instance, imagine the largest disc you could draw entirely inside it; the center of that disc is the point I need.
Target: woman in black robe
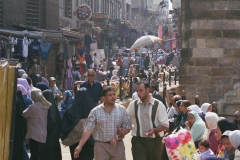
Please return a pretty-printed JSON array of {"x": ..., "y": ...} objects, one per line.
[
  {"x": 79, "y": 109},
  {"x": 52, "y": 146},
  {"x": 20, "y": 128}
]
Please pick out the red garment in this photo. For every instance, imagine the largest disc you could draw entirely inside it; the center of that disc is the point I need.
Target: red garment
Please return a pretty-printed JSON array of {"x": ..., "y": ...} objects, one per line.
[
  {"x": 213, "y": 142},
  {"x": 120, "y": 62}
]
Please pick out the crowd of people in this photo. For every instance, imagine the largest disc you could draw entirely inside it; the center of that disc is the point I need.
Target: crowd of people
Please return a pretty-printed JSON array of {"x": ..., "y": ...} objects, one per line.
[{"x": 93, "y": 125}]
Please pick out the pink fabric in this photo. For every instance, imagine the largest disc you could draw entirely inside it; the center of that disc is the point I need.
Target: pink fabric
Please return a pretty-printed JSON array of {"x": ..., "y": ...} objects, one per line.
[
  {"x": 213, "y": 142},
  {"x": 22, "y": 89},
  {"x": 69, "y": 63},
  {"x": 24, "y": 82},
  {"x": 160, "y": 32}
]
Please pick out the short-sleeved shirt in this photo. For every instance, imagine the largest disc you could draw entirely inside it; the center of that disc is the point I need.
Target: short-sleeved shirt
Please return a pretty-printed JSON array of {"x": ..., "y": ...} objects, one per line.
[
  {"x": 105, "y": 125},
  {"x": 94, "y": 91},
  {"x": 145, "y": 112},
  {"x": 126, "y": 61}
]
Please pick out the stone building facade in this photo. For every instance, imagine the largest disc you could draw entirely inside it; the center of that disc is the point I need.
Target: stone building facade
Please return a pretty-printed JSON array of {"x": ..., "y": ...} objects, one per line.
[{"x": 210, "y": 55}]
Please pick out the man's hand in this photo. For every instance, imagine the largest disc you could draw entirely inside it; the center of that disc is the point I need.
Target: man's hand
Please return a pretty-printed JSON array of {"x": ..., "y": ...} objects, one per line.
[
  {"x": 150, "y": 132},
  {"x": 122, "y": 132},
  {"x": 114, "y": 140},
  {"x": 77, "y": 151}
]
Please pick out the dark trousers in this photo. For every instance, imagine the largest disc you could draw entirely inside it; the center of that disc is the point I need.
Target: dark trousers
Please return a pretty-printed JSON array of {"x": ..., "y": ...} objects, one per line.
[
  {"x": 36, "y": 150},
  {"x": 87, "y": 152},
  {"x": 146, "y": 149}
]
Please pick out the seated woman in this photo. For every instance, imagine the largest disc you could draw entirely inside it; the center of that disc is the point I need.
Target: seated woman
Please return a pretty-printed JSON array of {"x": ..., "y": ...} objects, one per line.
[
  {"x": 180, "y": 120},
  {"x": 197, "y": 110},
  {"x": 206, "y": 107},
  {"x": 67, "y": 100},
  {"x": 222, "y": 126},
  {"x": 211, "y": 125},
  {"x": 196, "y": 126}
]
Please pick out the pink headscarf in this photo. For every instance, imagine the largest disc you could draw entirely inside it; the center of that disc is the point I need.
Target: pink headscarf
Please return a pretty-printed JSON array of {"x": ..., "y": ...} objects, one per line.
[
  {"x": 25, "y": 84},
  {"x": 22, "y": 89}
]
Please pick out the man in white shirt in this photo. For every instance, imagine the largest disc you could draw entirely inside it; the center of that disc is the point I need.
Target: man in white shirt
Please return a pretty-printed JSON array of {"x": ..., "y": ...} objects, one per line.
[
  {"x": 173, "y": 111},
  {"x": 149, "y": 117}
]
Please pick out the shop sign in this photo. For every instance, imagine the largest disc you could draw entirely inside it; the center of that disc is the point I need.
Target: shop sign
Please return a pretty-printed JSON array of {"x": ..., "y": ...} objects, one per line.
[{"x": 83, "y": 12}]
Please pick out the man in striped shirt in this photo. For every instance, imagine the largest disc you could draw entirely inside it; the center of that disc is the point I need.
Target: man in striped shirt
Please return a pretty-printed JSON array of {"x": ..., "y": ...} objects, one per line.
[{"x": 150, "y": 120}]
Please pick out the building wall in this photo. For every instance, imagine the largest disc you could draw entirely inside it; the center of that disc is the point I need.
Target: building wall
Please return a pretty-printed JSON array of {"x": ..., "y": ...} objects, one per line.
[
  {"x": 210, "y": 47},
  {"x": 14, "y": 11},
  {"x": 52, "y": 14}
]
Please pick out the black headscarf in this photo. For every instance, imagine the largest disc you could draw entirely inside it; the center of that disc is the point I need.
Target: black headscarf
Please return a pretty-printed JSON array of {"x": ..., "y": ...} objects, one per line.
[
  {"x": 42, "y": 86},
  {"x": 79, "y": 109},
  {"x": 225, "y": 125}
]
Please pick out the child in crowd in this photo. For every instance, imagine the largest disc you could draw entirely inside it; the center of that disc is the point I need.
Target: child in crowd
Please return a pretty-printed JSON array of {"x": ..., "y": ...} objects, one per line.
[
  {"x": 205, "y": 151},
  {"x": 229, "y": 151}
]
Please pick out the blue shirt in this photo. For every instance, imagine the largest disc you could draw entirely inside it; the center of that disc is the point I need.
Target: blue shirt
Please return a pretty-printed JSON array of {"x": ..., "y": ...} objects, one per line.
[{"x": 94, "y": 91}]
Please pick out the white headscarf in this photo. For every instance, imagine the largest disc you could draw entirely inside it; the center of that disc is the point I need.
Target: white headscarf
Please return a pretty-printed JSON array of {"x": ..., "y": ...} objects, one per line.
[
  {"x": 195, "y": 108},
  {"x": 234, "y": 138},
  {"x": 205, "y": 107},
  {"x": 211, "y": 119}
]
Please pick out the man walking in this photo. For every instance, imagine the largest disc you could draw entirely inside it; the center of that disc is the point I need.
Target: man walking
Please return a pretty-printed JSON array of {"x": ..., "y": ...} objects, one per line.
[
  {"x": 94, "y": 87},
  {"x": 155, "y": 93},
  {"x": 150, "y": 118},
  {"x": 108, "y": 123}
]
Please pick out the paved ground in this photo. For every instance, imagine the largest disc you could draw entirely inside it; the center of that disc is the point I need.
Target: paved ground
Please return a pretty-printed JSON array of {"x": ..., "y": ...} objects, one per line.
[{"x": 127, "y": 141}]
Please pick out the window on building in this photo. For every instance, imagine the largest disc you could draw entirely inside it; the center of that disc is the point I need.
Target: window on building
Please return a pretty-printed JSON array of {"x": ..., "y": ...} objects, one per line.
[
  {"x": 62, "y": 8},
  {"x": 32, "y": 13}
]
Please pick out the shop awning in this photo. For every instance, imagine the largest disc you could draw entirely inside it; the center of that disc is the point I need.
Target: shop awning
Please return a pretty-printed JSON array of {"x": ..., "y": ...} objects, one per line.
[
  {"x": 72, "y": 35},
  {"x": 25, "y": 33}
]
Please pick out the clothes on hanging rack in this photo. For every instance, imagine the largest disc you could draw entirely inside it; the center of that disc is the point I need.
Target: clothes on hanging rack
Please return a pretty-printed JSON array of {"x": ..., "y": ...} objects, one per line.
[{"x": 45, "y": 48}]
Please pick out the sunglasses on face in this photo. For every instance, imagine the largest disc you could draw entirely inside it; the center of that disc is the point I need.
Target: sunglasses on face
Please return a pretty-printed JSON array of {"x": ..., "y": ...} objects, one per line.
[{"x": 90, "y": 75}]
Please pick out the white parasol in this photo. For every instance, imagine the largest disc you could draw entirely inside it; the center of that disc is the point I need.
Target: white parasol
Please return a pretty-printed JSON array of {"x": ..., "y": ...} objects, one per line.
[{"x": 144, "y": 40}]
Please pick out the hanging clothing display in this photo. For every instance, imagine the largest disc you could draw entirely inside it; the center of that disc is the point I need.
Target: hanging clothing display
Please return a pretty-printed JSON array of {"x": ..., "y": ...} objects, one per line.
[
  {"x": 87, "y": 42},
  {"x": 25, "y": 44},
  {"x": 45, "y": 48},
  {"x": 66, "y": 47},
  {"x": 34, "y": 48}
]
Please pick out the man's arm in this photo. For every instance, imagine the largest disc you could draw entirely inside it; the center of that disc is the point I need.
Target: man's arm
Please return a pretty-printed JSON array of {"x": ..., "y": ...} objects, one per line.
[
  {"x": 156, "y": 130},
  {"x": 85, "y": 137},
  {"x": 123, "y": 131}
]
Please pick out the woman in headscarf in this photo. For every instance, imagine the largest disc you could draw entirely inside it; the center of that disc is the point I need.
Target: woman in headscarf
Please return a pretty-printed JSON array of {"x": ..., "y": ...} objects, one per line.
[
  {"x": 52, "y": 146},
  {"x": 197, "y": 110},
  {"x": 211, "y": 125},
  {"x": 196, "y": 125},
  {"x": 67, "y": 100},
  {"x": 42, "y": 86},
  {"x": 79, "y": 109},
  {"x": 234, "y": 137},
  {"x": 206, "y": 107},
  {"x": 222, "y": 126},
  {"x": 26, "y": 98},
  {"x": 24, "y": 82},
  {"x": 36, "y": 114},
  {"x": 20, "y": 129}
]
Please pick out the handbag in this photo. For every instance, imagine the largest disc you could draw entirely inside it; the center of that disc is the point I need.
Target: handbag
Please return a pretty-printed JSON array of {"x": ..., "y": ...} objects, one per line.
[{"x": 76, "y": 134}]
